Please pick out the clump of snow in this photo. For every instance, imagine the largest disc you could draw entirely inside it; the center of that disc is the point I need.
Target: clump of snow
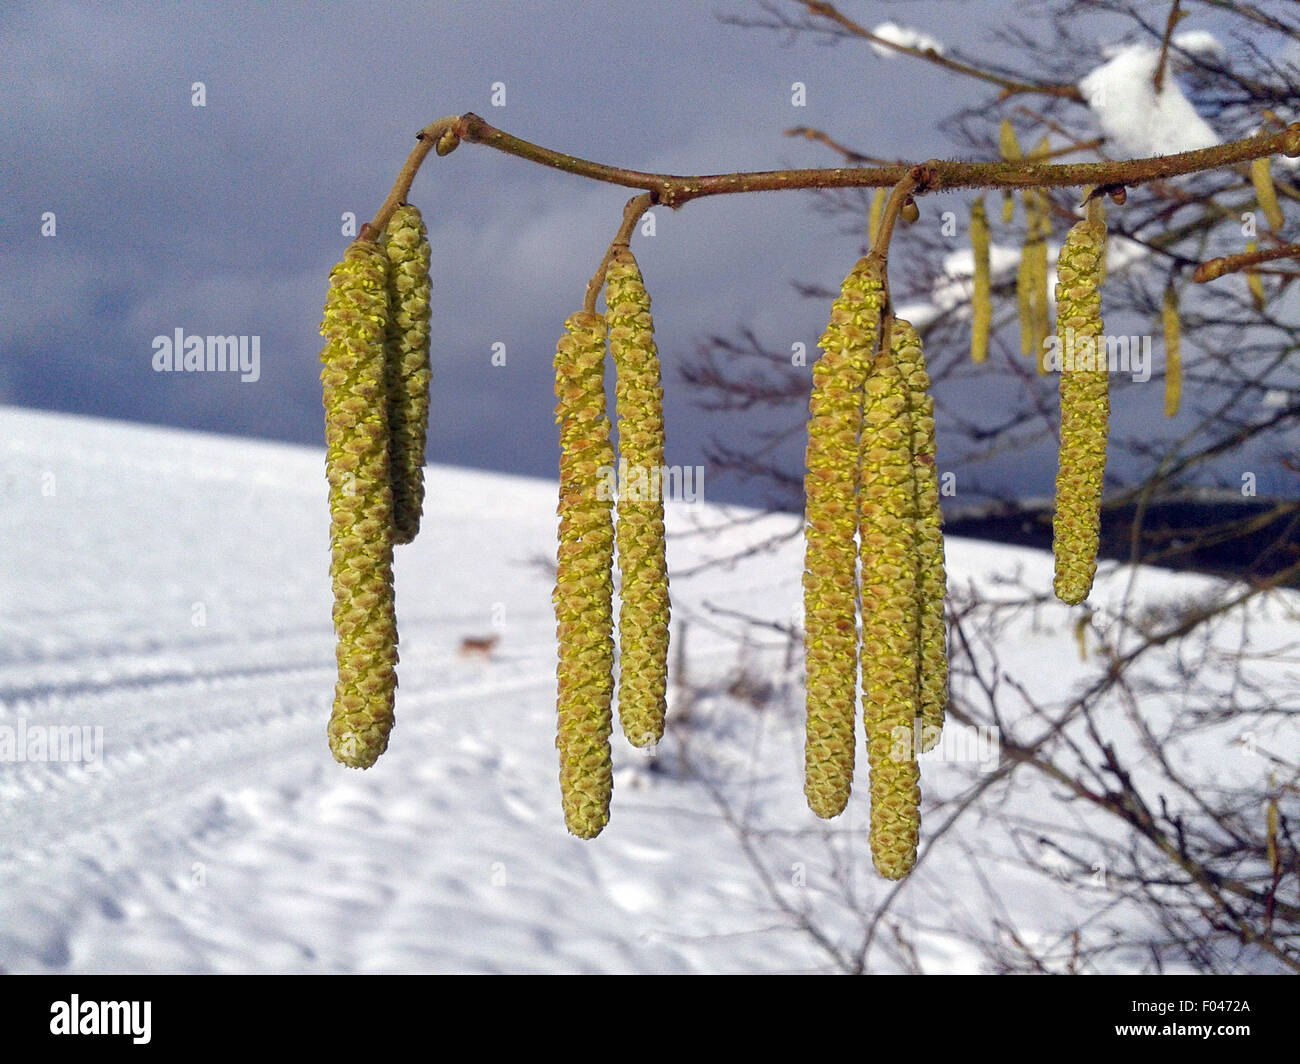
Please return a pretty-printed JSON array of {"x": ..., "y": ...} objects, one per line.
[
  {"x": 904, "y": 37},
  {"x": 1131, "y": 115},
  {"x": 955, "y": 286},
  {"x": 1200, "y": 43}
]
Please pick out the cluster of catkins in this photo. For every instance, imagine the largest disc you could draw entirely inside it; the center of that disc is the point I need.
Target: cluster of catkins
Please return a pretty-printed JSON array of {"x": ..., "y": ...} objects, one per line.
[
  {"x": 376, "y": 395},
  {"x": 873, "y": 582},
  {"x": 588, "y": 542},
  {"x": 874, "y": 546}
]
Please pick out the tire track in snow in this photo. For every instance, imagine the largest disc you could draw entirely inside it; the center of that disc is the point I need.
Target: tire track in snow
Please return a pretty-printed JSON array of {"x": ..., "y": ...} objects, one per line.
[
  {"x": 182, "y": 741},
  {"x": 176, "y": 737}
]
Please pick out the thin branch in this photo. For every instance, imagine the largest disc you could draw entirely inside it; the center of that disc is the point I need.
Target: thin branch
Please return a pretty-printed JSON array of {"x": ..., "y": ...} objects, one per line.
[
  {"x": 440, "y": 135},
  {"x": 632, "y": 212},
  {"x": 1007, "y": 85},
  {"x": 1175, "y": 16},
  {"x": 674, "y": 190},
  {"x": 848, "y": 153},
  {"x": 1216, "y": 268}
]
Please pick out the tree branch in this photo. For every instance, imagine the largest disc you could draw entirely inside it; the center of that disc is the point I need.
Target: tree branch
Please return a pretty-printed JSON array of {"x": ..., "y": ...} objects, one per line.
[
  {"x": 674, "y": 190},
  {"x": 1007, "y": 85},
  {"x": 1216, "y": 268}
]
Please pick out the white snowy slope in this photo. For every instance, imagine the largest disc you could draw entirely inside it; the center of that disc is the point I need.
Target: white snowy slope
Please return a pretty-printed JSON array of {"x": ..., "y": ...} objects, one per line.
[{"x": 172, "y": 589}]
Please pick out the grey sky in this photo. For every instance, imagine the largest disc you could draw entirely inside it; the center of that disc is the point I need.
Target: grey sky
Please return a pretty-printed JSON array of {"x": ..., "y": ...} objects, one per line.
[{"x": 225, "y": 219}]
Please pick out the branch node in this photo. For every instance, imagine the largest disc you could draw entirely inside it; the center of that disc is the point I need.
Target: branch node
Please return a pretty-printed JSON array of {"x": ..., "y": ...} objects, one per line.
[{"x": 1291, "y": 141}]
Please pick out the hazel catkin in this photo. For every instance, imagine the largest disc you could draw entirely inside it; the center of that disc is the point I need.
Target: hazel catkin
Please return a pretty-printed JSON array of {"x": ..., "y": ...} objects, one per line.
[
  {"x": 981, "y": 298},
  {"x": 644, "y": 605},
  {"x": 1173, "y": 356},
  {"x": 1255, "y": 283},
  {"x": 1261, "y": 177},
  {"x": 1031, "y": 278},
  {"x": 1038, "y": 229},
  {"x": 1009, "y": 149},
  {"x": 407, "y": 365},
  {"x": 1085, "y": 412},
  {"x": 891, "y": 630},
  {"x": 361, "y": 505},
  {"x": 932, "y": 582},
  {"x": 584, "y": 580},
  {"x": 829, "y": 579}
]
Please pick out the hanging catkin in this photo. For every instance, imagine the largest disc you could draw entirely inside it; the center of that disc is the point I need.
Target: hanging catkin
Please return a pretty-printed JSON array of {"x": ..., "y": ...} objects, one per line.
[
  {"x": 1024, "y": 299},
  {"x": 981, "y": 299},
  {"x": 1254, "y": 282},
  {"x": 407, "y": 365},
  {"x": 932, "y": 583},
  {"x": 1038, "y": 232},
  {"x": 644, "y": 609},
  {"x": 1173, "y": 357},
  {"x": 584, "y": 581},
  {"x": 1031, "y": 277},
  {"x": 1009, "y": 148},
  {"x": 1085, "y": 412},
  {"x": 361, "y": 505},
  {"x": 829, "y": 578},
  {"x": 1262, "y": 178},
  {"x": 891, "y": 630},
  {"x": 1042, "y": 306}
]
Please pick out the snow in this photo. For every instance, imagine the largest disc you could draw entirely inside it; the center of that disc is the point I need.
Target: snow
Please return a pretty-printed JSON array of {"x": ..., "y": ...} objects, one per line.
[
  {"x": 172, "y": 589},
  {"x": 1200, "y": 43},
  {"x": 1132, "y": 116},
  {"x": 904, "y": 37},
  {"x": 954, "y": 288}
]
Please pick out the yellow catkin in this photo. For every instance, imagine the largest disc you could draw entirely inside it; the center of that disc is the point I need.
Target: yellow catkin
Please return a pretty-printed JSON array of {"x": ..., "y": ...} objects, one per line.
[
  {"x": 829, "y": 578},
  {"x": 1031, "y": 277},
  {"x": 584, "y": 578},
  {"x": 407, "y": 347},
  {"x": 1040, "y": 311},
  {"x": 361, "y": 505},
  {"x": 981, "y": 298},
  {"x": 644, "y": 607},
  {"x": 877, "y": 209},
  {"x": 1173, "y": 357},
  {"x": 932, "y": 583},
  {"x": 1009, "y": 148},
  {"x": 1265, "y": 193},
  {"x": 1254, "y": 282},
  {"x": 1038, "y": 233},
  {"x": 891, "y": 623},
  {"x": 1024, "y": 301},
  {"x": 1085, "y": 413}
]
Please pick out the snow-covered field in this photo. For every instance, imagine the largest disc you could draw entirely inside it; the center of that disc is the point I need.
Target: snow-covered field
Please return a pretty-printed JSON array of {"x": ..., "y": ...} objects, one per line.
[{"x": 172, "y": 590}]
